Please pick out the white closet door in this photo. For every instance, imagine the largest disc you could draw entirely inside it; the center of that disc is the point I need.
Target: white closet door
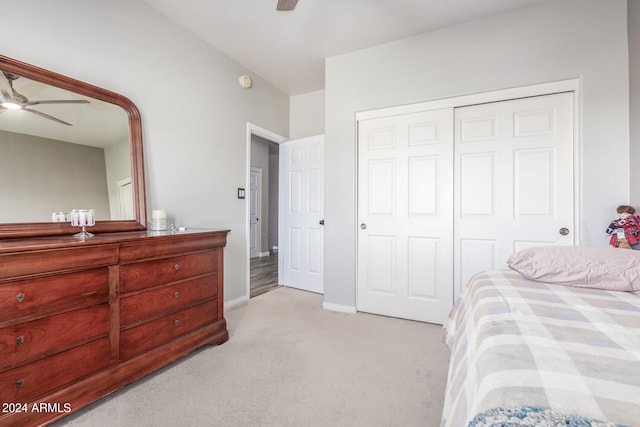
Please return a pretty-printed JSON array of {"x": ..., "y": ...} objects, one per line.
[
  {"x": 514, "y": 185},
  {"x": 405, "y": 215}
]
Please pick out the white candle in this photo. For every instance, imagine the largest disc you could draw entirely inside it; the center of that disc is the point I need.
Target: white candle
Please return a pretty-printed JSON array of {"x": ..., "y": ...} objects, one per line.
[
  {"x": 82, "y": 217},
  {"x": 158, "y": 220},
  {"x": 60, "y": 217}
]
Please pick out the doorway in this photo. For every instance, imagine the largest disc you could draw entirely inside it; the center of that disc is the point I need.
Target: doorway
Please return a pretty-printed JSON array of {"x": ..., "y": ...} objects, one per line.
[
  {"x": 125, "y": 199},
  {"x": 262, "y": 273}
]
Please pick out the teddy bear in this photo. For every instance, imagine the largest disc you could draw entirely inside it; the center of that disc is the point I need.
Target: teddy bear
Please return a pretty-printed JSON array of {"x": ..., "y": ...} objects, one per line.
[{"x": 625, "y": 231}]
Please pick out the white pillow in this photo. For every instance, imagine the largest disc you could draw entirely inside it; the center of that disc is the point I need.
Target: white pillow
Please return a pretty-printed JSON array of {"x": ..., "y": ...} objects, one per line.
[{"x": 591, "y": 267}]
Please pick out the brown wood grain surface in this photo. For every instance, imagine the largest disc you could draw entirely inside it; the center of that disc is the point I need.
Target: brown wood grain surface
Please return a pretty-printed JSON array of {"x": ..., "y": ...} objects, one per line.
[{"x": 79, "y": 320}]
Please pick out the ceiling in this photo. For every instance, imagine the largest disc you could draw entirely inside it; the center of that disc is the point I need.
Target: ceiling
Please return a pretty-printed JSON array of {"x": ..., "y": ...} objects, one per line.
[
  {"x": 98, "y": 123},
  {"x": 288, "y": 49}
]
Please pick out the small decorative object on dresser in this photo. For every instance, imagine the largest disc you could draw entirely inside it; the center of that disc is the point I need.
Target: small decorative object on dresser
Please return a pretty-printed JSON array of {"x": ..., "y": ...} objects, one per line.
[
  {"x": 81, "y": 319},
  {"x": 83, "y": 218},
  {"x": 158, "y": 220}
]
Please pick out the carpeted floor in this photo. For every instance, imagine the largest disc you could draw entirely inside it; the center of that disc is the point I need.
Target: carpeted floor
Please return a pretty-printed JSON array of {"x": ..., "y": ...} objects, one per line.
[{"x": 290, "y": 363}]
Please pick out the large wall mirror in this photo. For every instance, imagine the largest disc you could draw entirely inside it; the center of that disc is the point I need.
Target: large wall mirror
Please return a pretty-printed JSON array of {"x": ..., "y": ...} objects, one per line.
[{"x": 64, "y": 145}]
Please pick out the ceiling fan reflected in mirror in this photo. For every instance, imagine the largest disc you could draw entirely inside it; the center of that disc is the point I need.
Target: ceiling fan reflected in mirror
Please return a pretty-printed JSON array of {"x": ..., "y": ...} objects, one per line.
[
  {"x": 286, "y": 5},
  {"x": 10, "y": 99}
]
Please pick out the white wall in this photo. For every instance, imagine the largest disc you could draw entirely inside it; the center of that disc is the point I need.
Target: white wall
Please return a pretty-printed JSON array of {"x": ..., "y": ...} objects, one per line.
[
  {"x": 634, "y": 98},
  {"x": 558, "y": 40},
  {"x": 307, "y": 115},
  {"x": 62, "y": 176},
  {"x": 194, "y": 113}
]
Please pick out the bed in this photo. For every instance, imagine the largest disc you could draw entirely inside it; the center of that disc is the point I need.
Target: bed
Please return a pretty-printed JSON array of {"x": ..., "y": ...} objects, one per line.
[{"x": 552, "y": 341}]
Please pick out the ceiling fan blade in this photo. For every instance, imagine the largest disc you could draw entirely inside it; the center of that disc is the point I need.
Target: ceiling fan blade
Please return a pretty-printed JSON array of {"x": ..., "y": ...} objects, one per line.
[
  {"x": 6, "y": 90},
  {"x": 59, "y": 101},
  {"x": 46, "y": 116},
  {"x": 286, "y": 5}
]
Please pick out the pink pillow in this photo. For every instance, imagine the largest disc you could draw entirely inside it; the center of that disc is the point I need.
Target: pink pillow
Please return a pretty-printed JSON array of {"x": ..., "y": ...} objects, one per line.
[{"x": 584, "y": 266}]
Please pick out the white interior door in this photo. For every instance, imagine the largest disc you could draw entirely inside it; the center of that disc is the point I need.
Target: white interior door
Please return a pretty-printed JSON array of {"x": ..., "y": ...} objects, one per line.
[
  {"x": 514, "y": 180},
  {"x": 125, "y": 199},
  {"x": 301, "y": 214},
  {"x": 255, "y": 209},
  {"x": 405, "y": 215}
]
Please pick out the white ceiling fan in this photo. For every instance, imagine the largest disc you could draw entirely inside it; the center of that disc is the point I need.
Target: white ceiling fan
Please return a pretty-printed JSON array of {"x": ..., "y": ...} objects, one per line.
[
  {"x": 286, "y": 5},
  {"x": 10, "y": 99}
]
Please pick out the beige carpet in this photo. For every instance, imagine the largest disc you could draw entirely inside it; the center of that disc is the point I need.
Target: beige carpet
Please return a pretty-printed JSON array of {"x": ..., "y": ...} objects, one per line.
[{"x": 288, "y": 362}]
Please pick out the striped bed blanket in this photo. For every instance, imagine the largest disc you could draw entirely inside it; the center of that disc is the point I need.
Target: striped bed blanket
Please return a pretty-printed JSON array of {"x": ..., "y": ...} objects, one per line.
[{"x": 528, "y": 353}]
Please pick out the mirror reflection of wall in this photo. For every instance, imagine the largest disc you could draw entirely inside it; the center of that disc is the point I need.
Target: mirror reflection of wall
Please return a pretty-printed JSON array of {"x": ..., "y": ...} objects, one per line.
[{"x": 39, "y": 176}]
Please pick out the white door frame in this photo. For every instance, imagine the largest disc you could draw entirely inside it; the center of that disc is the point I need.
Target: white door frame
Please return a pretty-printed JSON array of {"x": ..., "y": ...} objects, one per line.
[
  {"x": 278, "y": 139},
  {"x": 571, "y": 85}
]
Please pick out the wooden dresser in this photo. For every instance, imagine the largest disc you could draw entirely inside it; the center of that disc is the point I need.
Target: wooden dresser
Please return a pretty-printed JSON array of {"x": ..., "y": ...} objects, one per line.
[{"x": 79, "y": 320}]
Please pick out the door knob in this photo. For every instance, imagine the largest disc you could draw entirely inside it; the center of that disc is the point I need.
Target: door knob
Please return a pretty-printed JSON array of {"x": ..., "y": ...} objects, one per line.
[
  {"x": 322, "y": 222},
  {"x": 563, "y": 231},
  {"x": 363, "y": 226}
]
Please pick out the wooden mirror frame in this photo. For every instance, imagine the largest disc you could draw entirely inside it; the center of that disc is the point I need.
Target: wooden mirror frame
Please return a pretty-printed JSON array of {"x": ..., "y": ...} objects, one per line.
[{"x": 33, "y": 229}]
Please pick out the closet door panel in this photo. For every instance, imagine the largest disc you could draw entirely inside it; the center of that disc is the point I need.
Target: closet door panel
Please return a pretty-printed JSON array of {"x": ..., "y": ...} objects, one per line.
[
  {"x": 514, "y": 180},
  {"x": 405, "y": 215}
]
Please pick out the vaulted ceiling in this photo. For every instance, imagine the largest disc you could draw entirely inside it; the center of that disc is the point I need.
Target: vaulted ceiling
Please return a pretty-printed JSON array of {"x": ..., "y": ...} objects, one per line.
[{"x": 288, "y": 49}]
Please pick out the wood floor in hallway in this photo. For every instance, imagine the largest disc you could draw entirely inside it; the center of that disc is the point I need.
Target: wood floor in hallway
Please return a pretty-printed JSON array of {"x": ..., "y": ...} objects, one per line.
[{"x": 264, "y": 274}]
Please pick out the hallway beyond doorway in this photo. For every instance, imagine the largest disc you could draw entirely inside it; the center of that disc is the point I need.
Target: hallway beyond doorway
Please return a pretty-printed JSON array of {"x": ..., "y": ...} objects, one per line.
[{"x": 264, "y": 274}]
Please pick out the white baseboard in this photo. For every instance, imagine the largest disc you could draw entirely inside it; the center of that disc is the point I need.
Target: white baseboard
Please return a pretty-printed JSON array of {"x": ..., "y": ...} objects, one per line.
[
  {"x": 235, "y": 302},
  {"x": 339, "y": 307},
  {"x": 261, "y": 254},
  {"x": 325, "y": 305}
]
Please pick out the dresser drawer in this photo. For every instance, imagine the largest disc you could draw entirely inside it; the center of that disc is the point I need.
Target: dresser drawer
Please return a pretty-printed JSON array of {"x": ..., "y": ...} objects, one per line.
[
  {"x": 52, "y": 260},
  {"x": 157, "y": 272},
  {"x": 162, "y": 330},
  {"x": 165, "y": 298},
  {"x": 50, "y": 334},
  {"x": 170, "y": 245},
  {"x": 47, "y": 295},
  {"x": 35, "y": 379}
]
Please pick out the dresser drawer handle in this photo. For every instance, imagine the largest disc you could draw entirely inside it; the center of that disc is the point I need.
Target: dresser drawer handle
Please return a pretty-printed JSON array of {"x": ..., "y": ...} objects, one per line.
[
  {"x": 176, "y": 322},
  {"x": 20, "y": 383},
  {"x": 176, "y": 294},
  {"x": 177, "y": 267},
  {"x": 20, "y": 297},
  {"x": 20, "y": 340}
]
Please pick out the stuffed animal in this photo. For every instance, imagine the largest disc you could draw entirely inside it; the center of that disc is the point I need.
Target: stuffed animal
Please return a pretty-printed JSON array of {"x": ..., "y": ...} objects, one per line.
[
  {"x": 623, "y": 243},
  {"x": 625, "y": 231}
]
